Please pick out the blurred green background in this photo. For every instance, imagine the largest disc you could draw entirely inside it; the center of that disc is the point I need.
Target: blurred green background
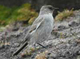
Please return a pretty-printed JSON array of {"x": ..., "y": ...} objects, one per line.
[{"x": 17, "y": 13}]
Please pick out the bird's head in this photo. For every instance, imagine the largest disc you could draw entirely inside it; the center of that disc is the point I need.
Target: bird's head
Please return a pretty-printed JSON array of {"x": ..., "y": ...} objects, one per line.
[{"x": 47, "y": 9}]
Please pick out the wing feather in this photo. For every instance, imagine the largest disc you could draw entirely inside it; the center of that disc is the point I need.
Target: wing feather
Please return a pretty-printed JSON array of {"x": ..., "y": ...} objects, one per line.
[{"x": 37, "y": 23}]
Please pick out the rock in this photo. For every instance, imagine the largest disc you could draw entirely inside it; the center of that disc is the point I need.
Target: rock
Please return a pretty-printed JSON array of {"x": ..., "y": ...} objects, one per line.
[
  {"x": 23, "y": 55},
  {"x": 2, "y": 46},
  {"x": 61, "y": 27},
  {"x": 16, "y": 44},
  {"x": 15, "y": 29},
  {"x": 73, "y": 24},
  {"x": 78, "y": 57}
]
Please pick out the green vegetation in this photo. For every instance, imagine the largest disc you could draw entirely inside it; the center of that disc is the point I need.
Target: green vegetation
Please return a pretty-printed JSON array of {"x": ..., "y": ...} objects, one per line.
[
  {"x": 64, "y": 14},
  {"x": 24, "y": 12}
]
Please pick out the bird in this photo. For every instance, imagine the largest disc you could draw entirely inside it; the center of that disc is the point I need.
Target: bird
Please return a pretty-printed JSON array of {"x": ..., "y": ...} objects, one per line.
[{"x": 41, "y": 27}]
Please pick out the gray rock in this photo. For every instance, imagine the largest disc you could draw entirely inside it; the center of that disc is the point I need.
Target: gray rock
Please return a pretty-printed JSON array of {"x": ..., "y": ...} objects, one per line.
[{"x": 73, "y": 24}]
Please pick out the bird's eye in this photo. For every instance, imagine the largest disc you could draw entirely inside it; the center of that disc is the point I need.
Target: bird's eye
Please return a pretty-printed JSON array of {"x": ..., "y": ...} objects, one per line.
[{"x": 50, "y": 8}]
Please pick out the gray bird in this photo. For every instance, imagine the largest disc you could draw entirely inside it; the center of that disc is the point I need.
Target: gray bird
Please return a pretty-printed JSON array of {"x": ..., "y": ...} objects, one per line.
[{"x": 41, "y": 27}]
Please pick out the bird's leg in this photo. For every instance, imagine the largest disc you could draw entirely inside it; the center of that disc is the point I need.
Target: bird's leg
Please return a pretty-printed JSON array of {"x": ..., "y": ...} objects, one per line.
[{"x": 41, "y": 45}]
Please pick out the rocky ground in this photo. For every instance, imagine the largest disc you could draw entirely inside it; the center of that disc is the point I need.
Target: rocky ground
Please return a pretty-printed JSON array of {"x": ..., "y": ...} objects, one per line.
[{"x": 63, "y": 44}]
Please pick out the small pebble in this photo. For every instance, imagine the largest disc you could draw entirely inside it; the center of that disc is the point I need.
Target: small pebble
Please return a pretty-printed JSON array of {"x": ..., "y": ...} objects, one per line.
[
  {"x": 72, "y": 24},
  {"x": 61, "y": 27}
]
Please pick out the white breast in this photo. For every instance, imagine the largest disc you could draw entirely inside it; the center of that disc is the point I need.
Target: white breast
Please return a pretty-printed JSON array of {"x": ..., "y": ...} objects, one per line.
[{"x": 49, "y": 19}]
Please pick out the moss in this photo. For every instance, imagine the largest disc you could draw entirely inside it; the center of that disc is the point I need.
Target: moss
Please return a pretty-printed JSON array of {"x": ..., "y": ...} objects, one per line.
[
  {"x": 4, "y": 14},
  {"x": 64, "y": 14},
  {"x": 24, "y": 13},
  {"x": 9, "y": 15},
  {"x": 41, "y": 55}
]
